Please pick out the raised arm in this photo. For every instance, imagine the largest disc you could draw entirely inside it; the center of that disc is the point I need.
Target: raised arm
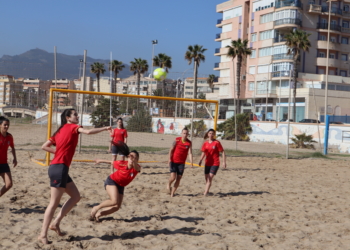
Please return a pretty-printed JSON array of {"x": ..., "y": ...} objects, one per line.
[
  {"x": 47, "y": 147},
  {"x": 97, "y": 161},
  {"x": 93, "y": 131}
]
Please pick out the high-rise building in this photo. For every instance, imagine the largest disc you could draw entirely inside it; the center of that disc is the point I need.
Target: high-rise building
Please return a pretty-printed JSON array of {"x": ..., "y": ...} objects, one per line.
[
  {"x": 265, "y": 74},
  {"x": 11, "y": 91}
]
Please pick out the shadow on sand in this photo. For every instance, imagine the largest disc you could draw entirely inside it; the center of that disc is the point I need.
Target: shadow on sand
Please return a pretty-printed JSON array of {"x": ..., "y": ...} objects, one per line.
[{"x": 241, "y": 193}]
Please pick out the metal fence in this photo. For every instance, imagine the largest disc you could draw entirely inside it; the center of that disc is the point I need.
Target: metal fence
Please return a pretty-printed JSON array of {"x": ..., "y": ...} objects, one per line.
[{"x": 337, "y": 118}]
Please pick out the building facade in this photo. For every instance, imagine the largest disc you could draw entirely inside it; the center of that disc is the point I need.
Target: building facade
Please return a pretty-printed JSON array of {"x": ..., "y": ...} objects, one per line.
[
  {"x": 11, "y": 91},
  {"x": 267, "y": 71}
]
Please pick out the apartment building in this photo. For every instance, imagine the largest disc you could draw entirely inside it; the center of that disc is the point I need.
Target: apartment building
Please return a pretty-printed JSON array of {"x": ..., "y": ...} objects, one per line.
[
  {"x": 78, "y": 85},
  {"x": 65, "y": 99},
  {"x": 10, "y": 90},
  {"x": 267, "y": 71},
  {"x": 38, "y": 89}
]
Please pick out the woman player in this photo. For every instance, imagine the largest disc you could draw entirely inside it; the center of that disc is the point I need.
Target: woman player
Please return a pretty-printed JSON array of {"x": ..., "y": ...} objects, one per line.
[
  {"x": 118, "y": 134},
  {"x": 6, "y": 141},
  {"x": 211, "y": 151},
  {"x": 65, "y": 139},
  {"x": 177, "y": 158},
  {"x": 125, "y": 172}
]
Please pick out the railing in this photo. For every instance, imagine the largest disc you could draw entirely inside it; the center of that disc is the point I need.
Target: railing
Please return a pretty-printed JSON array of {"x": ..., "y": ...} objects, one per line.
[
  {"x": 19, "y": 107},
  {"x": 218, "y": 35},
  {"x": 345, "y": 30},
  {"x": 289, "y": 4},
  {"x": 334, "y": 10},
  {"x": 288, "y": 21},
  {"x": 264, "y": 91},
  {"x": 325, "y": 26},
  {"x": 346, "y": 13},
  {"x": 217, "y": 50},
  {"x": 282, "y": 57},
  {"x": 315, "y": 8},
  {"x": 216, "y": 65},
  {"x": 219, "y": 21},
  {"x": 279, "y": 39},
  {"x": 281, "y": 73}
]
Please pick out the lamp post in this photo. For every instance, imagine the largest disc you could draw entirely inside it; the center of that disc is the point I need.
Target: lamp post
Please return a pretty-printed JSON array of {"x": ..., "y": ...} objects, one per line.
[
  {"x": 327, "y": 64},
  {"x": 81, "y": 61},
  {"x": 177, "y": 92}
]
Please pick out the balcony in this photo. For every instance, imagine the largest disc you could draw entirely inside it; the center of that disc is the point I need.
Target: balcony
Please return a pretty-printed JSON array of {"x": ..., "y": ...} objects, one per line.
[
  {"x": 218, "y": 35},
  {"x": 333, "y": 27},
  {"x": 346, "y": 14},
  {"x": 282, "y": 57},
  {"x": 315, "y": 8},
  {"x": 216, "y": 65},
  {"x": 219, "y": 21},
  {"x": 221, "y": 50},
  {"x": 285, "y": 21},
  {"x": 334, "y": 10},
  {"x": 281, "y": 73},
  {"x": 332, "y": 62},
  {"x": 332, "y": 45},
  {"x": 279, "y": 39},
  {"x": 217, "y": 50},
  {"x": 345, "y": 30},
  {"x": 289, "y": 4}
]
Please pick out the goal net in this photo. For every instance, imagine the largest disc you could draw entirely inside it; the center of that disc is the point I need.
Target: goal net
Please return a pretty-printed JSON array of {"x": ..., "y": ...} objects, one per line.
[{"x": 152, "y": 122}]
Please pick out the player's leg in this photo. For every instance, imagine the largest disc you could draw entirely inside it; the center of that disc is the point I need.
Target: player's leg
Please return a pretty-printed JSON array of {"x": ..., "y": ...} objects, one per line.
[
  {"x": 173, "y": 171},
  {"x": 7, "y": 177},
  {"x": 180, "y": 172},
  {"x": 110, "y": 210},
  {"x": 209, "y": 179},
  {"x": 112, "y": 191}
]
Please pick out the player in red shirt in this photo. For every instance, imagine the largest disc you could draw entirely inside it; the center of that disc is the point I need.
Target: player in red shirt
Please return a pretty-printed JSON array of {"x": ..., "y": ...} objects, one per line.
[
  {"x": 65, "y": 139},
  {"x": 177, "y": 159},
  {"x": 211, "y": 150},
  {"x": 6, "y": 141},
  {"x": 125, "y": 172},
  {"x": 118, "y": 134}
]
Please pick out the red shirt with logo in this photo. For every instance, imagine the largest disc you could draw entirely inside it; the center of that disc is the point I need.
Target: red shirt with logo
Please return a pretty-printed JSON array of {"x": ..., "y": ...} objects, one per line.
[
  {"x": 5, "y": 143},
  {"x": 123, "y": 176},
  {"x": 119, "y": 134},
  {"x": 181, "y": 150},
  {"x": 65, "y": 141},
  {"x": 212, "y": 154}
]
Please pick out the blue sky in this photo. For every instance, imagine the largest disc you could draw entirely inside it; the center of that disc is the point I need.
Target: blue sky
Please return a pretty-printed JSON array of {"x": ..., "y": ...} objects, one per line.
[{"x": 124, "y": 27}]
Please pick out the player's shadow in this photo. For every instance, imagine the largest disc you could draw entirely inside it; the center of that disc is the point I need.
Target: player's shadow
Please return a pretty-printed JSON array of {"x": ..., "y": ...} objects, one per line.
[
  {"x": 157, "y": 217},
  {"x": 37, "y": 210},
  {"x": 153, "y": 173},
  {"x": 241, "y": 193}
]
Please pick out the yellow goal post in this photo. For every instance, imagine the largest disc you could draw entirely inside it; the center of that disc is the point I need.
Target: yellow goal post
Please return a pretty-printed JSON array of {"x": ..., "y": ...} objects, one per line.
[{"x": 54, "y": 92}]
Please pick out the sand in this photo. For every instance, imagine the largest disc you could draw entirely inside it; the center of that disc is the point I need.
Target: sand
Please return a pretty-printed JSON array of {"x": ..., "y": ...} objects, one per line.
[{"x": 256, "y": 203}]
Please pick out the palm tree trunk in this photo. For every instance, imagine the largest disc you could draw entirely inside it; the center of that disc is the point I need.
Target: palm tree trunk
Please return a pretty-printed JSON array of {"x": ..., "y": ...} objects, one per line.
[
  {"x": 195, "y": 73},
  {"x": 295, "y": 73},
  {"x": 98, "y": 83},
  {"x": 238, "y": 82}
]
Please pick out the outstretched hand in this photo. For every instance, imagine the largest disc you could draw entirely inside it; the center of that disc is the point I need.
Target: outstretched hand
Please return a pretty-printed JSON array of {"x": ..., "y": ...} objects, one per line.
[{"x": 97, "y": 161}]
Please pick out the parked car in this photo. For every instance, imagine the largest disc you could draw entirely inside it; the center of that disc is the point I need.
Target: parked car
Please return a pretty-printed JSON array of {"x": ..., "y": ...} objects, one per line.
[
  {"x": 336, "y": 123},
  {"x": 285, "y": 120},
  {"x": 270, "y": 120},
  {"x": 309, "y": 121}
]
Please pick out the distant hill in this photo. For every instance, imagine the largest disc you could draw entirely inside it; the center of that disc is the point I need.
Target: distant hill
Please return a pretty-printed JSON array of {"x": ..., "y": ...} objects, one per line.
[{"x": 38, "y": 63}]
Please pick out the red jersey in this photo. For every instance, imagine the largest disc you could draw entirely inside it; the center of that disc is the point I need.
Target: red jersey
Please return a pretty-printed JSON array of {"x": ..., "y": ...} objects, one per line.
[
  {"x": 5, "y": 143},
  {"x": 123, "y": 176},
  {"x": 181, "y": 150},
  {"x": 212, "y": 154},
  {"x": 119, "y": 134},
  {"x": 65, "y": 141}
]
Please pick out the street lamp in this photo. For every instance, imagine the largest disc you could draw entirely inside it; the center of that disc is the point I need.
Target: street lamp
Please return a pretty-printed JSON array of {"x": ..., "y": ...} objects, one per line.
[
  {"x": 81, "y": 61},
  {"x": 177, "y": 91}
]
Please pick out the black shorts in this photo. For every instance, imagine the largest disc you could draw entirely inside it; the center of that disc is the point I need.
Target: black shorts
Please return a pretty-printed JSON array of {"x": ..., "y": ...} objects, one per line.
[
  {"x": 110, "y": 182},
  {"x": 177, "y": 168},
  {"x": 115, "y": 150},
  {"x": 59, "y": 176},
  {"x": 211, "y": 169},
  {"x": 4, "y": 168}
]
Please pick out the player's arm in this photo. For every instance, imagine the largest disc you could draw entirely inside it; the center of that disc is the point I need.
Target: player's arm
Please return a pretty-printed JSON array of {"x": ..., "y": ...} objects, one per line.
[
  {"x": 202, "y": 157},
  {"x": 171, "y": 151},
  {"x": 223, "y": 158},
  {"x": 47, "y": 147},
  {"x": 14, "y": 156},
  {"x": 97, "y": 161},
  {"x": 191, "y": 156},
  {"x": 93, "y": 131}
]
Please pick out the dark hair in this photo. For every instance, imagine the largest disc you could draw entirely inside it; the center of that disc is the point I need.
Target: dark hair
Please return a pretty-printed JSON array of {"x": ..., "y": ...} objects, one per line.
[
  {"x": 65, "y": 113},
  {"x": 122, "y": 122},
  {"x": 137, "y": 153},
  {"x": 185, "y": 128},
  {"x": 124, "y": 149},
  {"x": 4, "y": 119},
  {"x": 206, "y": 134}
]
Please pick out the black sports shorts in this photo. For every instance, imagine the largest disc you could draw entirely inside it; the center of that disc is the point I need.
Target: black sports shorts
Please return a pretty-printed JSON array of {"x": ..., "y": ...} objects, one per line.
[
  {"x": 177, "y": 168},
  {"x": 59, "y": 176},
  {"x": 110, "y": 182},
  {"x": 4, "y": 168},
  {"x": 211, "y": 169},
  {"x": 115, "y": 151}
]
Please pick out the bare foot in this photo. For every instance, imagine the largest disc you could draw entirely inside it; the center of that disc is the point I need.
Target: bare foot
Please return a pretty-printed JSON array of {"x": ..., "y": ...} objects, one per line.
[
  {"x": 57, "y": 229},
  {"x": 43, "y": 240},
  {"x": 93, "y": 213},
  {"x": 171, "y": 191},
  {"x": 97, "y": 216}
]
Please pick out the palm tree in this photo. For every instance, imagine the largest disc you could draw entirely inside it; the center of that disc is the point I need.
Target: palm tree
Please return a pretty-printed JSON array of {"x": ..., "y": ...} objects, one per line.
[
  {"x": 297, "y": 41},
  {"x": 116, "y": 66},
  {"x": 139, "y": 66},
  {"x": 240, "y": 50},
  {"x": 195, "y": 53},
  {"x": 98, "y": 69},
  {"x": 164, "y": 61},
  {"x": 211, "y": 79}
]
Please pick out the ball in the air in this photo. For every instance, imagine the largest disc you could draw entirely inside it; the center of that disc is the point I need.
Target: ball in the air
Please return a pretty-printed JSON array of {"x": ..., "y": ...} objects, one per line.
[{"x": 159, "y": 74}]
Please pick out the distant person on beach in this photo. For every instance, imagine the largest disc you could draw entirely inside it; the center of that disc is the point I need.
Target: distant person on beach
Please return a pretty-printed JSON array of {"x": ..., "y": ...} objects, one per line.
[
  {"x": 115, "y": 183},
  {"x": 211, "y": 149},
  {"x": 6, "y": 141},
  {"x": 177, "y": 159},
  {"x": 118, "y": 134},
  {"x": 65, "y": 139}
]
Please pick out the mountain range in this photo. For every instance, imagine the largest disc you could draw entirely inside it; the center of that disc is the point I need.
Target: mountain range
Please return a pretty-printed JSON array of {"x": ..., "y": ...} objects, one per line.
[{"x": 38, "y": 63}]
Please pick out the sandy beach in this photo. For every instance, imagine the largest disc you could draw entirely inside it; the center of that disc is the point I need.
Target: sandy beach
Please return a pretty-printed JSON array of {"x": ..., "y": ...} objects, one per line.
[{"x": 256, "y": 203}]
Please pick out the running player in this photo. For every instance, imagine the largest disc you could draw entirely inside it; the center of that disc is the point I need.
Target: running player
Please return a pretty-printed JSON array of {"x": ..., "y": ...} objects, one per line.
[
  {"x": 118, "y": 134},
  {"x": 211, "y": 151},
  {"x": 177, "y": 158},
  {"x": 125, "y": 172},
  {"x": 65, "y": 139},
  {"x": 6, "y": 141}
]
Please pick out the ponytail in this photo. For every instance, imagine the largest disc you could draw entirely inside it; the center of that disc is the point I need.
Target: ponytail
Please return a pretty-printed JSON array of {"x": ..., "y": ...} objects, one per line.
[{"x": 65, "y": 113}]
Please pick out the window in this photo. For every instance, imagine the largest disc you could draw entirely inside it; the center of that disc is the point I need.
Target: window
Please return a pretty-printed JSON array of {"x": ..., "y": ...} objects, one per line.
[
  {"x": 323, "y": 20},
  {"x": 252, "y": 70},
  {"x": 345, "y": 40},
  {"x": 332, "y": 55},
  {"x": 346, "y": 8},
  {"x": 227, "y": 28},
  {"x": 253, "y": 54},
  {"x": 251, "y": 86},
  {"x": 333, "y": 39},
  {"x": 322, "y": 38},
  {"x": 286, "y": 14},
  {"x": 321, "y": 54},
  {"x": 332, "y": 72},
  {"x": 345, "y": 24},
  {"x": 266, "y": 18},
  {"x": 225, "y": 43},
  {"x": 231, "y": 13},
  {"x": 281, "y": 49},
  {"x": 343, "y": 73},
  {"x": 253, "y": 37},
  {"x": 188, "y": 87},
  {"x": 321, "y": 71},
  {"x": 334, "y": 22},
  {"x": 264, "y": 68},
  {"x": 283, "y": 66},
  {"x": 268, "y": 34},
  {"x": 344, "y": 57},
  {"x": 265, "y": 52}
]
